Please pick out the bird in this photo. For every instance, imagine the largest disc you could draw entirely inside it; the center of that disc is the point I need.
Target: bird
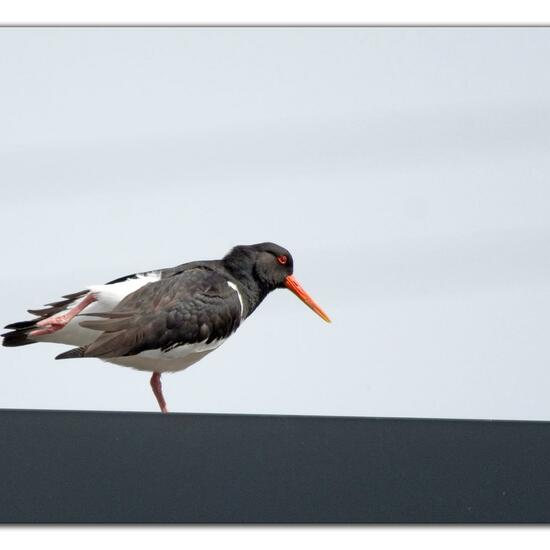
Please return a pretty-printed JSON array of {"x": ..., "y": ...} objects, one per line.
[{"x": 164, "y": 320}]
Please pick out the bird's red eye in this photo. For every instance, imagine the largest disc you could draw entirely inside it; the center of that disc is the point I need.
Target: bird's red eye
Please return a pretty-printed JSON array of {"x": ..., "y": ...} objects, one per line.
[{"x": 282, "y": 260}]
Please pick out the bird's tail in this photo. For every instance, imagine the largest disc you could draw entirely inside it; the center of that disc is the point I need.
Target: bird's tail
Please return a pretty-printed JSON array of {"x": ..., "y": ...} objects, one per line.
[
  {"x": 21, "y": 330},
  {"x": 19, "y": 335}
]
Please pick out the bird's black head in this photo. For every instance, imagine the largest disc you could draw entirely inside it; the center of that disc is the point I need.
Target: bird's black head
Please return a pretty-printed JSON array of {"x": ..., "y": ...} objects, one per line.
[
  {"x": 264, "y": 267},
  {"x": 267, "y": 263}
]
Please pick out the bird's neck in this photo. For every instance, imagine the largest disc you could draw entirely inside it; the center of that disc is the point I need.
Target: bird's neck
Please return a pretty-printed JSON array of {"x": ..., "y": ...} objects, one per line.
[{"x": 251, "y": 290}]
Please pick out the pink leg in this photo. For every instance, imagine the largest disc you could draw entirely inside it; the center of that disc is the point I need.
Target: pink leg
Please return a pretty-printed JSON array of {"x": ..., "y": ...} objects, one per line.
[
  {"x": 157, "y": 390},
  {"x": 53, "y": 324}
]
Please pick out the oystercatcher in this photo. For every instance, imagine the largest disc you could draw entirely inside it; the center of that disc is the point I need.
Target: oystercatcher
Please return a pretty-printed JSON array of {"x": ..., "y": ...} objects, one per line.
[{"x": 167, "y": 319}]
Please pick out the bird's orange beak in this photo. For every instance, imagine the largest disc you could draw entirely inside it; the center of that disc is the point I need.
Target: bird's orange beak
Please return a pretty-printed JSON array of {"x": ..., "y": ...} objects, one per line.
[{"x": 293, "y": 285}]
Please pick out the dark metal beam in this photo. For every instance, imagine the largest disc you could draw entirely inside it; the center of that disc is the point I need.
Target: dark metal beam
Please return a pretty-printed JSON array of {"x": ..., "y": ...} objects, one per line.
[{"x": 141, "y": 467}]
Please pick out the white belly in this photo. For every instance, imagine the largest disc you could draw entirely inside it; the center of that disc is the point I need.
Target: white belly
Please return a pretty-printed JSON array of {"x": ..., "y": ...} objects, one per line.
[{"x": 176, "y": 359}]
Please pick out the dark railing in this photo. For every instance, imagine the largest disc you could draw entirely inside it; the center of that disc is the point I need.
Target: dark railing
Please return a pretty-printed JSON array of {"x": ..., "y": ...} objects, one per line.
[{"x": 140, "y": 467}]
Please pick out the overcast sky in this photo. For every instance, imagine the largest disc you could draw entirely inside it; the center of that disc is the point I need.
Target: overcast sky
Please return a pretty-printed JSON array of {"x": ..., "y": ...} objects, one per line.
[{"x": 407, "y": 170}]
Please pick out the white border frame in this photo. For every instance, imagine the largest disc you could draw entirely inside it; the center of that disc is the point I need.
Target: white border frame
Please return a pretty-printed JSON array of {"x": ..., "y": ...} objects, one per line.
[{"x": 282, "y": 12}]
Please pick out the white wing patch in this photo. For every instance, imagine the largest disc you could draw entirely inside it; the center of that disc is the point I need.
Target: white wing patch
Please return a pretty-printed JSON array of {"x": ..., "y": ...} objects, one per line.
[
  {"x": 115, "y": 293},
  {"x": 234, "y": 287}
]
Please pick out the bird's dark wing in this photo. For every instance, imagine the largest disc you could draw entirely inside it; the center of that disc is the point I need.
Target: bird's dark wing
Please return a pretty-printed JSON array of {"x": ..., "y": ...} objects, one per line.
[{"x": 196, "y": 305}]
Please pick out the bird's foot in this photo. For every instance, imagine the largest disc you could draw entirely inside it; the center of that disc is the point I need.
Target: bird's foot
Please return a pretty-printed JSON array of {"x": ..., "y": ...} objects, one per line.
[
  {"x": 50, "y": 325},
  {"x": 53, "y": 324}
]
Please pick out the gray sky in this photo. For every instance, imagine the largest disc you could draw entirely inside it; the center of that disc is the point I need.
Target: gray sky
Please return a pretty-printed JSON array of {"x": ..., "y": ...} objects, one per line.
[{"x": 406, "y": 169}]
